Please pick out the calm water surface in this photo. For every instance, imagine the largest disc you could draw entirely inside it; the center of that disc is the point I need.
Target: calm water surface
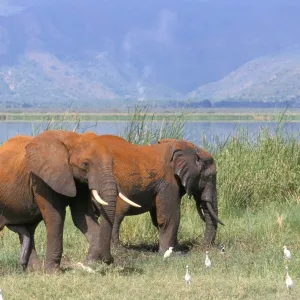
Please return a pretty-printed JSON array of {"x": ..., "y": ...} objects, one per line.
[{"x": 193, "y": 131}]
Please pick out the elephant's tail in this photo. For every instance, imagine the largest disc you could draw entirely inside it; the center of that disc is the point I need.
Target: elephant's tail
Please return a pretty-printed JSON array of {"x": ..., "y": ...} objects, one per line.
[{"x": 1, "y": 231}]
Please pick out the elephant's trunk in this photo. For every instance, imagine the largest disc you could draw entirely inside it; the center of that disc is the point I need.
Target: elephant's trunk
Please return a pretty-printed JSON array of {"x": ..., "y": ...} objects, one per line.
[
  {"x": 211, "y": 224},
  {"x": 207, "y": 207},
  {"x": 102, "y": 180}
]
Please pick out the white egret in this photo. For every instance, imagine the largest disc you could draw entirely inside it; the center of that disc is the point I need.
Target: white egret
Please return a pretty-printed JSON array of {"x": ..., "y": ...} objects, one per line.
[
  {"x": 287, "y": 253},
  {"x": 207, "y": 260},
  {"x": 168, "y": 252},
  {"x": 288, "y": 281},
  {"x": 187, "y": 276}
]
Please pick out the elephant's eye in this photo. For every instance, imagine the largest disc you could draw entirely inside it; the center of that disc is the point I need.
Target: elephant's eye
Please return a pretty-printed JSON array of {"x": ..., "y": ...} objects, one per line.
[
  {"x": 198, "y": 161},
  {"x": 85, "y": 165}
]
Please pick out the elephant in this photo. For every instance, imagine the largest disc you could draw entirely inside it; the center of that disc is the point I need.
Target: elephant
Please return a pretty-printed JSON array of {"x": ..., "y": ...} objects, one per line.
[
  {"x": 157, "y": 176},
  {"x": 40, "y": 176}
]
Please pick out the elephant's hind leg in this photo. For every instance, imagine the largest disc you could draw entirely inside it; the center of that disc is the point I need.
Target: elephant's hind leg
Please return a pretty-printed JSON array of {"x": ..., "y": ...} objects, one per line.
[
  {"x": 28, "y": 255},
  {"x": 34, "y": 261},
  {"x": 25, "y": 241}
]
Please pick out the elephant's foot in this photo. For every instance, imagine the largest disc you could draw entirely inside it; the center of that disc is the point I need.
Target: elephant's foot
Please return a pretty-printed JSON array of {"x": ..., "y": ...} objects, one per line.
[
  {"x": 33, "y": 266},
  {"x": 93, "y": 257},
  {"x": 90, "y": 262},
  {"x": 34, "y": 263},
  {"x": 162, "y": 250},
  {"x": 52, "y": 268},
  {"x": 53, "y": 271},
  {"x": 207, "y": 243},
  {"x": 108, "y": 260}
]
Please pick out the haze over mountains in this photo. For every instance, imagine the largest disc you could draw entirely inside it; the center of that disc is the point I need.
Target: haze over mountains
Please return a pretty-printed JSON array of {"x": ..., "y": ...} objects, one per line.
[{"x": 96, "y": 52}]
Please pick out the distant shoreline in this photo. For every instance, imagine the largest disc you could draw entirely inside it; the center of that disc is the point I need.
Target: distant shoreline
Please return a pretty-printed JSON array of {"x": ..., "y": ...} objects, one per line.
[{"x": 186, "y": 116}]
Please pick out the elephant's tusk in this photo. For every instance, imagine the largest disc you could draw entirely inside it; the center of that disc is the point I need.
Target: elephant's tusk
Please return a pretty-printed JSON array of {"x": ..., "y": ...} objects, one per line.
[
  {"x": 124, "y": 198},
  {"x": 200, "y": 212},
  {"x": 98, "y": 198},
  {"x": 213, "y": 214}
]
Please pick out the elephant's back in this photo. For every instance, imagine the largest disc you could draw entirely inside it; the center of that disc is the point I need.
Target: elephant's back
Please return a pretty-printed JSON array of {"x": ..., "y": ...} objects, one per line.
[
  {"x": 15, "y": 145},
  {"x": 12, "y": 155},
  {"x": 16, "y": 201}
]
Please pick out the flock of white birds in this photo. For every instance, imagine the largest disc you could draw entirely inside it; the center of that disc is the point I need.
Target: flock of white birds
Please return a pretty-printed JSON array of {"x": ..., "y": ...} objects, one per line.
[{"x": 188, "y": 278}]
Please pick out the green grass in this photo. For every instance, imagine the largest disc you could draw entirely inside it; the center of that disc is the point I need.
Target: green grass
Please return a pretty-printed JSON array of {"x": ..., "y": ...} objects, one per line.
[
  {"x": 253, "y": 267},
  {"x": 259, "y": 200},
  {"x": 189, "y": 115},
  {"x": 254, "y": 174}
]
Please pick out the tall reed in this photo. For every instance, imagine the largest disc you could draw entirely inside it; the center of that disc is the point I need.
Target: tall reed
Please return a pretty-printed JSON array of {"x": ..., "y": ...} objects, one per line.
[
  {"x": 67, "y": 121},
  {"x": 254, "y": 172},
  {"x": 143, "y": 129}
]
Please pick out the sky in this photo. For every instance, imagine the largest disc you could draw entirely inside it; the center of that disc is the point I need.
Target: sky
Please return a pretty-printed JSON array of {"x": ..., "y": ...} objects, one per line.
[{"x": 181, "y": 44}]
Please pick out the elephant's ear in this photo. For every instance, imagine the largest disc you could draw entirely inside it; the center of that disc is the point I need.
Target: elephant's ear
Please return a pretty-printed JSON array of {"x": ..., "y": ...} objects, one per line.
[
  {"x": 49, "y": 160},
  {"x": 187, "y": 163}
]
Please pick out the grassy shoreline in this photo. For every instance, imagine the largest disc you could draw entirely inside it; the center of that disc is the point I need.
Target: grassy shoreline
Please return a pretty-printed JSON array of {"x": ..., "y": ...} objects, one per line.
[
  {"x": 259, "y": 201},
  {"x": 185, "y": 116}
]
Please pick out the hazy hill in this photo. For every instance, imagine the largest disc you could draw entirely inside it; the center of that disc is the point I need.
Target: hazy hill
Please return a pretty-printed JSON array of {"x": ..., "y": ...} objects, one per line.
[
  {"x": 99, "y": 50},
  {"x": 41, "y": 79},
  {"x": 270, "y": 78}
]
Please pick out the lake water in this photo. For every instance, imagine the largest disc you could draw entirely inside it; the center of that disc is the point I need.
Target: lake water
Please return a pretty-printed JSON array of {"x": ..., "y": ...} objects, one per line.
[{"x": 193, "y": 131}]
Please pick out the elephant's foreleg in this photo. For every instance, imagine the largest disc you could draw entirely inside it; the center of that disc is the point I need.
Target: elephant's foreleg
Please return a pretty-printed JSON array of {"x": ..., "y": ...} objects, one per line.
[
  {"x": 116, "y": 229},
  {"x": 168, "y": 217},
  {"x": 53, "y": 211},
  {"x": 85, "y": 220}
]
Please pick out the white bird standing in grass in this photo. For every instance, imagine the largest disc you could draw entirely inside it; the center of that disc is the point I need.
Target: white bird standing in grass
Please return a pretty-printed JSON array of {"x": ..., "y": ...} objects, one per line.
[
  {"x": 288, "y": 281},
  {"x": 1, "y": 298},
  {"x": 287, "y": 253},
  {"x": 222, "y": 250},
  {"x": 187, "y": 276},
  {"x": 207, "y": 260},
  {"x": 168, "y": 252}
]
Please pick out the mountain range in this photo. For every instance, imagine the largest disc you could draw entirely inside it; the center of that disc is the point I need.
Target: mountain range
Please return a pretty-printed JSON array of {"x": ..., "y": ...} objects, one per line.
[{"x": 96, "y": 53}]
